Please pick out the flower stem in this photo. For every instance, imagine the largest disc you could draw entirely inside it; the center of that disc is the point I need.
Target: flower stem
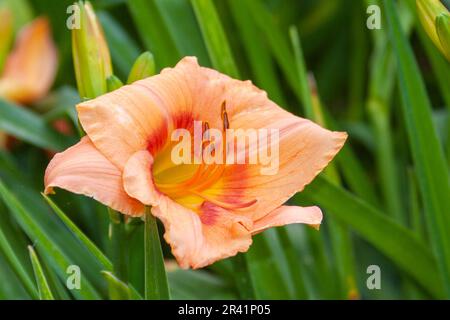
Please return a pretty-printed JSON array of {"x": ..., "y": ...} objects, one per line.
[
  {"x": 156, "y": 286},
  {"x": 119, "y": 245}
]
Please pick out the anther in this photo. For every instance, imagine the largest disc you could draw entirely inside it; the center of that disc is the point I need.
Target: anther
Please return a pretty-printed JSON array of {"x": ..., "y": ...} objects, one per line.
[
  {"x": 224, "y": 114},
  {"x": 206, "y": 130}
]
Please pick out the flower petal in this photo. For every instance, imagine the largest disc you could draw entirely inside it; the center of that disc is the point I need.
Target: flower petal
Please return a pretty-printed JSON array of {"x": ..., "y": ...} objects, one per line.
[
  {"x": 138, "y": 179},
  {"x": 123, "y": 122},
  {"x": 199, "y": 240},
  {"x": 304, "y": 150},
  {"x": 31, "y": 67},
  {"x": 84, "y": 170},
  {"x": 287, "y": 215}
]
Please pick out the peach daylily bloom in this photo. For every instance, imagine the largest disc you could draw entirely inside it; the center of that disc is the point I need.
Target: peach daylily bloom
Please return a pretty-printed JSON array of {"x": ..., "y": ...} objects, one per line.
[
  {"x": 30, "y": 68},
  {"x": 208, "y": 213}
]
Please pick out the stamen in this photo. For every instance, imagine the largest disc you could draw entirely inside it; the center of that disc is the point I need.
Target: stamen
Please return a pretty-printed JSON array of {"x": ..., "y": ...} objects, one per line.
[
  {"x": 206, "y": 130},
  {"x": 224, "y": 115},
  {"x": 226, "y": 123}
]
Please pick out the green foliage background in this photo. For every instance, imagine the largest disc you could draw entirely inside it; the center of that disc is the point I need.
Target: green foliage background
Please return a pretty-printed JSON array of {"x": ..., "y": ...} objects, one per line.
[{"x": 386, "y": 197}]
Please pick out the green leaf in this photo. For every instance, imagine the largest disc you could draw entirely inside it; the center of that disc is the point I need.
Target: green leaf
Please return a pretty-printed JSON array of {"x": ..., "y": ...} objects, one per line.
[
  {"x": 393, "y": 240},
  {"x": 123, "y": 48},
  {"x": 43, "y": 287},
  {"x": 179, "y": 18},
  {"x": 277, "y": 42},
  {"x": 119, "y": 244},
  {"x": 242, "y": 280},
  {"x": 185, "y": 284},
  {"x": 214, "y": 37},
  {"x": 44, "y": 242},
  {"x": 153, "y": 32},
  {"x": 117, "y": 289},
  {"x": 156, "y": 287},
  {"x": 90, "y": 246},
  {"x": 305, "y": 90},
  {"x": 93, "y": 249},
  {"x": 258, "y": 55},
  {"x": 28, "y": 126},
  {"x": 426, "y": 150},
  {"x": 16, "y": 265},
  {"x": 264, "y": 270}
]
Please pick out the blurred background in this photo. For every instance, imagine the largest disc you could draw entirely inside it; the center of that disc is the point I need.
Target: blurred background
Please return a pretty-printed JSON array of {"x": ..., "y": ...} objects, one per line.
[{"x": 384, "y": 197}]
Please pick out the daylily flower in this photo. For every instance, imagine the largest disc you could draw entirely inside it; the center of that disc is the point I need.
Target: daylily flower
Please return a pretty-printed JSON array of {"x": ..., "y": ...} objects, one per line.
[
  {"x": 209, "y": 212},
  {"x": 30, "y": 67}
]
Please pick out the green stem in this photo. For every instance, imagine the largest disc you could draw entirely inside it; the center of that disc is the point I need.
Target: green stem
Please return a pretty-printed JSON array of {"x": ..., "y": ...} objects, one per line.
[
  {"x": 119, "y": 245},
  {"x": 156, "y": 286}
]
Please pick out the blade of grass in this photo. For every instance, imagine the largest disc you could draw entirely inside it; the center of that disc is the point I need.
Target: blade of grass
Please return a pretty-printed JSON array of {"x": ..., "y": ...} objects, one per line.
[
  {"x": 381, "y": 85},
  {"x": 16, "y": 265},
  {"x": 93, "y": 249},
  {"x": 180, "y": 20},
  {"x": 357, "y": 62},
  {"x": 295, "y": 269},
  {"x": 90, "y": 246},
  {"x": 426, "y": 150},
  {"x": 156, "y": 286},
  {"x": 215, "y": 38},
  {"x": 259, "y": 57},
  {"x": 119, "y": 290},
  {"x": 277, "y": 42},
  {"x": 119, "y": 244},
  {"x": 267, "y": 280},
  {"x": 353, "y": 172},
  {"x": 441, "y": 69},
  {"x": 11, "y": 287},
  {"x": 153, "y": 32},
  {"x": 43, "y": 287},
  {"x": 51, "y": 249},
  {"x": 341, "y": 240},
  {"x": 27, "y": 126},
  {"x": 396, "y": 242},
  {"x": 416, "y": 219},
  {"x": 123, "y": 48},
  {"x": 243, "y": 283},
  {"x": 19, "y": 182},
  {"x": 185, "y": 284}
]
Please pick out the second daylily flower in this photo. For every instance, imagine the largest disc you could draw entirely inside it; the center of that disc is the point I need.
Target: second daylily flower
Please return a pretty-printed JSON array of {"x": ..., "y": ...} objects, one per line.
[
  {"x": 209, "y": 213},
  {"x": 30, "y": 67}
]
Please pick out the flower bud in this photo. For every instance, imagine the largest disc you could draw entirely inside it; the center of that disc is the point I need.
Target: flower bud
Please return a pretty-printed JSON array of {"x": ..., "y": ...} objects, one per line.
[
  {"x": 91, "y": 56},
  {"x": 143, "y": 67},
  {"x": 428, "y": 12},
  {"x": 113, "y": 83},
  {"x": 443, "y": 31}
]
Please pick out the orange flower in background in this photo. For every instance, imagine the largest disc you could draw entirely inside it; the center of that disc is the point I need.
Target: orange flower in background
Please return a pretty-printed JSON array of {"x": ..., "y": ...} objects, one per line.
[
  {"x": 209, "y": 212},
  {"x": 30, "y": 67}
]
